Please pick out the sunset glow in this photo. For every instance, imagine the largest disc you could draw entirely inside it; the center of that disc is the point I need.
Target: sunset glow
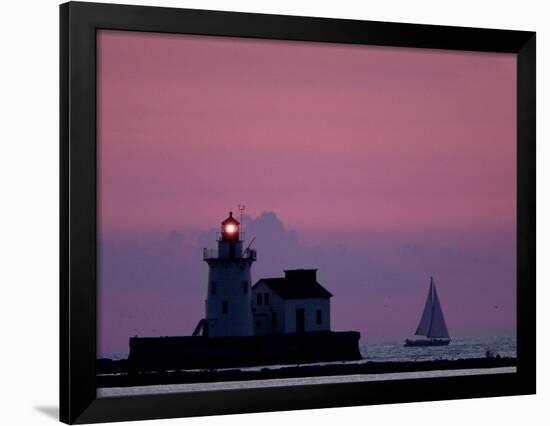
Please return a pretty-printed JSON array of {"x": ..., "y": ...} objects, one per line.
[{"x": 377, "y": 166}]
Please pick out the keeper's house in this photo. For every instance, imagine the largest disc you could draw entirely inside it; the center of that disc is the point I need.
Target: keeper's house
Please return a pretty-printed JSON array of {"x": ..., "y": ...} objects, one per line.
[{"x": 295, "y": 303}]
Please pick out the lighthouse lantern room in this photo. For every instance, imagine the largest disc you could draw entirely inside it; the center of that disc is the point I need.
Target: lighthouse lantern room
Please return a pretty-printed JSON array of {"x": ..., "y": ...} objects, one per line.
[{"x": 228, "y": 302}]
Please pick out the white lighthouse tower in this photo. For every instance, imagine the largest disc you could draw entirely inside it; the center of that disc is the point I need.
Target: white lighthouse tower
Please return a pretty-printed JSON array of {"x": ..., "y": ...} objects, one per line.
[{"x": 228, "y": 303}]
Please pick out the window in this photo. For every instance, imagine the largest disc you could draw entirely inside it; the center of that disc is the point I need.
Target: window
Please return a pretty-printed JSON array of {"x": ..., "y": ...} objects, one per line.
[
  {"x": 258, "y": 324},
  {"x": 213, "y": 287},
  {"x": 274, "y": 319},
  {"x": 245, "y": 286},
  {"x": 319, "y": 316},
  {"x": 259, "y": 298},
  {"x": 225, "y": 307},
  {"x": 266, "y": 298}
]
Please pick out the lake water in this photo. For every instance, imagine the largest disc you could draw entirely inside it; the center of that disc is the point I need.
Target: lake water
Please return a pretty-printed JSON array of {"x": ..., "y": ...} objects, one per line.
[
  {"x": 465, "y": 347},
  {"x": 460, "y": 347}
]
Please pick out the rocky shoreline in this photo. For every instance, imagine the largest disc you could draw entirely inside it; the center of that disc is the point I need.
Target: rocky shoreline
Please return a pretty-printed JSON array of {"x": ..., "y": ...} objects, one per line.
[{"x": 115, "y": 373}]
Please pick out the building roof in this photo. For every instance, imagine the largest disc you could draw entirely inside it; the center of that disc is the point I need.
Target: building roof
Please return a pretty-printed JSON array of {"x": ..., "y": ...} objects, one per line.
[{"x": 298, "y": 284}]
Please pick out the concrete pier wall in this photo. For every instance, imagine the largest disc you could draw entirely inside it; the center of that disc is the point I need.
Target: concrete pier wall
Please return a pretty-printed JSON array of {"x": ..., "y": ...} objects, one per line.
[{"x": 167, "y": 353}]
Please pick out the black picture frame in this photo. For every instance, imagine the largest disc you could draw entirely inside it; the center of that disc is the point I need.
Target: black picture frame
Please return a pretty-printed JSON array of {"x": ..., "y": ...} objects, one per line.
[{"x": 78, "y": 25}]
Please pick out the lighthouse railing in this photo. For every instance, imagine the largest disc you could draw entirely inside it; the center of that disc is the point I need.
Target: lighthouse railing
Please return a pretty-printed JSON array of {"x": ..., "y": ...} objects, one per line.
[
  {"x": 209, "y": 253},
  {"x": 212, "y": 253}
]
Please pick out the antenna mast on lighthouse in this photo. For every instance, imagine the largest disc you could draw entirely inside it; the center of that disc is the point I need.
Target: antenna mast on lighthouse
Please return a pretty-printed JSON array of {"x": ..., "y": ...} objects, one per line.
[{"x": 241, "y": 210}]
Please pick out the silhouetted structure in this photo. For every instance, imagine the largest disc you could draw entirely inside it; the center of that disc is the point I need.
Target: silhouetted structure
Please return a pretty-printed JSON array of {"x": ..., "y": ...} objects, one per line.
[
  {"x": 228, "y": 299},
  {"x": 295, "y": 303},
  {"x": 169, "y": 353},
  {"x": 278, "y": 321}
]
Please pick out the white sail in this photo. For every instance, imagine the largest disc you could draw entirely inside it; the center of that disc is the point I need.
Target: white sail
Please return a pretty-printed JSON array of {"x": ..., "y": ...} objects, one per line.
[
  {"x": 438, "y": 328},
  {"x": 426, "y": 319},
  {"x": 432, "y": 323}
]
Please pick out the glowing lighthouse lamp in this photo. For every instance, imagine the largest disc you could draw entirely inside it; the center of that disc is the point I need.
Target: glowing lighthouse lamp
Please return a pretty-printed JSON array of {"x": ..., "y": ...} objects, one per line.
[
  {"x": 230, "y": 228},
  {"x": 230, "y": 234}
]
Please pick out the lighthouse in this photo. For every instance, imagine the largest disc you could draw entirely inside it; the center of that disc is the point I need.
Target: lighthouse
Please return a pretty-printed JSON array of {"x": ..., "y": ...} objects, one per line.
[
  {"x": 279, "y": 320},
  {"x": 228, "y": 302}
]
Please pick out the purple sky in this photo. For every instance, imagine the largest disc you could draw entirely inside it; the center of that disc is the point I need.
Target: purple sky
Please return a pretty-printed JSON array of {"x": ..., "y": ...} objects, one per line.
[{"x": 378, "y": 166}]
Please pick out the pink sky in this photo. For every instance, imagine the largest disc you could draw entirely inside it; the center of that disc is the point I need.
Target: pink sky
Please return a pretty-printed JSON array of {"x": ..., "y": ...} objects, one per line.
[
  {"x": 328, "y": 136},
  {"x": 340, "y": 141}
]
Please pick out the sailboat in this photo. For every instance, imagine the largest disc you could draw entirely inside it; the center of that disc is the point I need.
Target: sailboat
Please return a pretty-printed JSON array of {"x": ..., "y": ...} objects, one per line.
[{"x": 432, "y": 323}]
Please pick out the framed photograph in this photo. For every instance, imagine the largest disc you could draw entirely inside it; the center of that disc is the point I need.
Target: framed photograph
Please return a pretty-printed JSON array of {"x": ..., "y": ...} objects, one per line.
[{"x": 264, "y": 212}]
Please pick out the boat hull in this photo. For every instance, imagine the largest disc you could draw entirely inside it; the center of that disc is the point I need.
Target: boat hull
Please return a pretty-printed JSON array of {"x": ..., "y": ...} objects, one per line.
[{"x": 427, "y": 342}]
